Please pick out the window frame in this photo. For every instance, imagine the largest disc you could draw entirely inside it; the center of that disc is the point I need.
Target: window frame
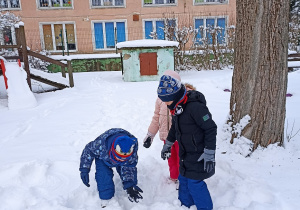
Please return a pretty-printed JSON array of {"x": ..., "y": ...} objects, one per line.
[
  {"x": 215, "y": 25},
  {"x": 154, "y": 20},
  {"x": 209, "y": 3},
  {"x": 52, "y": 7},
  {"x": 105, "y": 48},
  {"x": 159, "y": 5},
  {"x": 10, "y": 8},
  {"x": 63, "y": 23},
  {"x": 110, "y": 6}
]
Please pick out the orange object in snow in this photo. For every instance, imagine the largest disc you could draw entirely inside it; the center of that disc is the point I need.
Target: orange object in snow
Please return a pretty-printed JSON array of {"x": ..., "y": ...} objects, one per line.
[
  {"x": 3, "y": 71},
  {"x": 19, "y": 62}
]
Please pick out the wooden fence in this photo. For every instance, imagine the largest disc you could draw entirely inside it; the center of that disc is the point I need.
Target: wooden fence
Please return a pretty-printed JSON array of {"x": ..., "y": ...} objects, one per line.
[
  {"x": 24, "y": 52},
  {"x": 294, "y": 57}
]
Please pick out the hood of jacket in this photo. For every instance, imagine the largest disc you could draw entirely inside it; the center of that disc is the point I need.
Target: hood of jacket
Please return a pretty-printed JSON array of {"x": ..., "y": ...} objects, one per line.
[{"x": 194, "y": 95}]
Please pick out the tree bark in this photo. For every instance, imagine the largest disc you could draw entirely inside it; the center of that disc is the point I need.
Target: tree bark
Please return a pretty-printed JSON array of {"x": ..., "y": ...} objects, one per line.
[{"x": 259, "y": 80}]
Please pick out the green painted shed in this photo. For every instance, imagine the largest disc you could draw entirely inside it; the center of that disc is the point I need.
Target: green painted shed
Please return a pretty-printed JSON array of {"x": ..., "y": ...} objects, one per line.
[{"x": 147, "y": 59}]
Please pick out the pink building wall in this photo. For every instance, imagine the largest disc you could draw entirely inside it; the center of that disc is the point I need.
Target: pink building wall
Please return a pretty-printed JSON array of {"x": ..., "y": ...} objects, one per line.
[{"x": 82, "y": 15}]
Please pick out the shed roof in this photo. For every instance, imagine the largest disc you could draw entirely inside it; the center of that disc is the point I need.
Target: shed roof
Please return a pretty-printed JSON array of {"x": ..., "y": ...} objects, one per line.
[{"x": 146, "y": 43}]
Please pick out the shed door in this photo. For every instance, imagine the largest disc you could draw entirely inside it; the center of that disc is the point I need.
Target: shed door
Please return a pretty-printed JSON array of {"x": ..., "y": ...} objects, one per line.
[{"x": 148, "y": 64}]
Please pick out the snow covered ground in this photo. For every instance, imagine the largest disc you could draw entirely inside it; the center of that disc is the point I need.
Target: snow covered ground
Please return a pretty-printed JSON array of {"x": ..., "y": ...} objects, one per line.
[{"x": 41, "y": 147}]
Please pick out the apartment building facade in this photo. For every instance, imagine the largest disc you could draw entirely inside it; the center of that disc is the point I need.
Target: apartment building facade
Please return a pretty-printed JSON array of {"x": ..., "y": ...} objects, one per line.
[{"x": 95, "y": 26}]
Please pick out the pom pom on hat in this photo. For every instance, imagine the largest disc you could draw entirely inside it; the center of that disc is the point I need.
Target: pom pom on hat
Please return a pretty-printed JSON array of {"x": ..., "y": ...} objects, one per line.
[{"x": 173, "y": 74}]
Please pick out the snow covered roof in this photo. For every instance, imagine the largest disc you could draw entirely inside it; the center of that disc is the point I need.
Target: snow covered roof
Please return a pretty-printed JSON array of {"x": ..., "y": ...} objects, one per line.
[{"x": 143, "y": 43}]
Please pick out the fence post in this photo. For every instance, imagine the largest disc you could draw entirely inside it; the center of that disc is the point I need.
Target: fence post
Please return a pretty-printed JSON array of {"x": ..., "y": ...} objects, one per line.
[
  {"x": 122, "y": 63},
  {"x": 20, "y": 54},
  {"x": 63, "y": 71},
  {"x": 22, "y": 40},
  {"x": 70, "y": 71},
  {"x": 62, "y": 42}
]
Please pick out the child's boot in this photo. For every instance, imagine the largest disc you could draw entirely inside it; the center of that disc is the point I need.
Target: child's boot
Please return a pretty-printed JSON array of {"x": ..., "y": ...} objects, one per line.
[{"x": 104, "y": 203}]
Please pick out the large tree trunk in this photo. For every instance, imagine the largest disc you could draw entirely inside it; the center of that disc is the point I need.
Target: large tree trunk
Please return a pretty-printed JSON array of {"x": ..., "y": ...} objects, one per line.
[{"x": 259, "y": 80}]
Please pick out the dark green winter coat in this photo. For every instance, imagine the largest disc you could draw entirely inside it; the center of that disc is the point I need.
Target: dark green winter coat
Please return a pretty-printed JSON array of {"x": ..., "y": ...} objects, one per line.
[{"x": 194, "y": 130}]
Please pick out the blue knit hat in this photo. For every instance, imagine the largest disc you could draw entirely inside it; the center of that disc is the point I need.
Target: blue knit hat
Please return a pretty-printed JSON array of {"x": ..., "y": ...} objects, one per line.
[{"x": 169, "y": 88}]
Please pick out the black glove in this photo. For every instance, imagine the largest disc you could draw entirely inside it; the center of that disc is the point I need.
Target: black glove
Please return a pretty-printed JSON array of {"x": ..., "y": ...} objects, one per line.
[
  {"x": 134, "y": 193},
  {"x": 166, "y": 150},
  {"x": 85, "y": 178},
  {"x": 148, "y": 140},
  {"x": 209, "y": 159}
]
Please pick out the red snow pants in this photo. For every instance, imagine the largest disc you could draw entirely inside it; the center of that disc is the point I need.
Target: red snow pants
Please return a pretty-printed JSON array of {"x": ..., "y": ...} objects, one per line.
[{"x": 173, "y": 161}]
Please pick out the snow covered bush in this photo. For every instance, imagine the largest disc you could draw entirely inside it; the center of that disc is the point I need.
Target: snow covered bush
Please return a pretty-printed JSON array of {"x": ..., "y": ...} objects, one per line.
[
  {"x": 182, "y": 35},
  {"x": 8, "y": 19},
  {"x": 211, "y": 51},
  {"x": 39, "y": 64}
]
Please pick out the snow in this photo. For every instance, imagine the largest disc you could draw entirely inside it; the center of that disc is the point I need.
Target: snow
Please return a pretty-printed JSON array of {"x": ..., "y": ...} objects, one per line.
[
  {"x": 147, "y": 43},
  {"x": 85, "y": 56},
  {"x": 20, "y": 95},
  {"x": 294, "y": 64},
  {"x": 55, "y": 77},
  {"x": 41, "y": 147}
]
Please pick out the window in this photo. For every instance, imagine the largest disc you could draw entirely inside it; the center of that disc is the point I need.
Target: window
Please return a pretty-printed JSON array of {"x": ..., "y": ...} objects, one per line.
[
  {"x": 107, "y": 34},
  {"x": 108, "y": 3},
  {"x": 58, "y": 36},
  {"x": 9, "y": 4},
  {"x": 210, "y": 1},
  {"x": 7, "y": 36},
  {"x": 155, "y": 29},
  {"x": 159, "y": 2},
  {"x": 55, "y": 4},
  {"x": 206, "y": 26}
]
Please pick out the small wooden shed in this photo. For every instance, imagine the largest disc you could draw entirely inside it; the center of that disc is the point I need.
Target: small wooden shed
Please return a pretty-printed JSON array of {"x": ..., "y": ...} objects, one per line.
[{"x": 147, "y": 59}]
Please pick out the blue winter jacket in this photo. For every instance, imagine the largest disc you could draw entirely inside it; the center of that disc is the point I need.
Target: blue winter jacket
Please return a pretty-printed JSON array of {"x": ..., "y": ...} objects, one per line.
[{"x": 99, "y": 148}]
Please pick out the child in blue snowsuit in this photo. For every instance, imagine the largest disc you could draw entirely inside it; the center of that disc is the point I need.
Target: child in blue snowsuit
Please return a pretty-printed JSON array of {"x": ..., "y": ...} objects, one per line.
[
  {"x": 114, "y": 148},
  {"x": 195, "y": 131}
]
